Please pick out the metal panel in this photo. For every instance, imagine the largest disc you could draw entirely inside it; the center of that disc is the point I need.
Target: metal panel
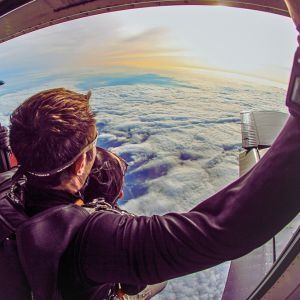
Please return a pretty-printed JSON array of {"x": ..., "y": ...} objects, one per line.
[
  {"x": 260, "y": 128},
  {"x": 295, "y": 295},
  {"x": 247, "y": 272},
  {"x": 285, "y": 235},
  {"x": 247, "y": 160},
  {"x": 287, "y": 285},
  {"x": 282, "y": 281}
]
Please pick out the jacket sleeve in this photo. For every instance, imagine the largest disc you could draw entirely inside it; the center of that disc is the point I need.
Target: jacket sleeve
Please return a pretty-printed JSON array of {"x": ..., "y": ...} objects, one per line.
[{"x": 231, "y": 223}]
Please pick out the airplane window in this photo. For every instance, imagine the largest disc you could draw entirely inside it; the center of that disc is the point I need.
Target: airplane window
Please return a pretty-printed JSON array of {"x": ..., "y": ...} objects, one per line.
[{"x": 168, "y": 85}]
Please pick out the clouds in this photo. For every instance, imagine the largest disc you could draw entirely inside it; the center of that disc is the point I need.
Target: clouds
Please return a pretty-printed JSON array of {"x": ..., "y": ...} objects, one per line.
[
  {"x": 146, "y": 50},
  {"x": 56, "y": 48},
  {"x": 180, "y": 133},
  {"x": 217, "y": 38},
  {"x": 182, "y": 146},
  {"x": 181, "y": 143},
  {"x": 206, "y": 285},
  {"x": 170, "y": 134},
  {"x": 99, "y": 42}
]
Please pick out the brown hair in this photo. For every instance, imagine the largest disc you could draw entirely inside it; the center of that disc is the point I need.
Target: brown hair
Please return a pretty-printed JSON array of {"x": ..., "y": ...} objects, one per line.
[
  {"x": 106, "y": 178},
  {"x": 48, "y": 130}
]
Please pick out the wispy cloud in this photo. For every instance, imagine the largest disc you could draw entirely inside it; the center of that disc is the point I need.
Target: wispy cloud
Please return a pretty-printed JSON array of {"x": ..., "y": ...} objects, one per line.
[
  {"x": 152, "y": 40},
  {"x": 146, "y": 50},
  {"x": 95, "y": 43},
  {"x": 57, "y": 47}
]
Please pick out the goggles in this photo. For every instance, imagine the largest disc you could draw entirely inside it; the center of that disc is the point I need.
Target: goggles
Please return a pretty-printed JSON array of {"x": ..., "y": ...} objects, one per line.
[
  {"x": 122, "y": 162},
  {"x": 69, "y": 163},
  {"x": 105, "y": 163}
]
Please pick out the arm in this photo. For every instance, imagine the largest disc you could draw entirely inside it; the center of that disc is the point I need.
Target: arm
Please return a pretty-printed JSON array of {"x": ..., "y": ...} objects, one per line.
[{"x": 231, "y": 223}]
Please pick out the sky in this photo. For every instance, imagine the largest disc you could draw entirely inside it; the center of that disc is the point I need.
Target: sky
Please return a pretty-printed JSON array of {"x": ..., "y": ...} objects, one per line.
[
  {"x": 178, "y": 40},
  {"x": 171, "y": 130}
]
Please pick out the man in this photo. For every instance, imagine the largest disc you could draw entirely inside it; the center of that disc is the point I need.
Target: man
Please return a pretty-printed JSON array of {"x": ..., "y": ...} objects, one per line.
[
  {"x": 51, "y": 128},
  {"x": 53, "y": 136},
  {"x": 48, "y": 132}
]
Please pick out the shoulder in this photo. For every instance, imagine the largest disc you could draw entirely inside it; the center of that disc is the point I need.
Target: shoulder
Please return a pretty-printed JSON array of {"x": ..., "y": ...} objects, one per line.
[{"x": 59, "y": 215}]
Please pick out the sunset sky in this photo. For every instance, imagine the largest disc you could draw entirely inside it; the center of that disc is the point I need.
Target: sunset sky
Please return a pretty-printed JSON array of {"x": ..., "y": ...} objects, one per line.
[
  {"x": 158, "y": 100},
  {"x": 180, "y": 40}
]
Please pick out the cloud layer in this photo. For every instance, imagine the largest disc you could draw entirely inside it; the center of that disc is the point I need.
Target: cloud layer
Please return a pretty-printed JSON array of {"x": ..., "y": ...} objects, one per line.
[
  {"x": 182, "y": 143},
  {"x": 180, "y": 135},
  {"x": 181, "y": 140}
]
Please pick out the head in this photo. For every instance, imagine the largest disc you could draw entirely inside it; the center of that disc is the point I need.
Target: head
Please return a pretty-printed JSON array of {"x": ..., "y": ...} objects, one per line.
[
  {"x": 106, "y": 178},
  {"x": 50, "y": 130}
]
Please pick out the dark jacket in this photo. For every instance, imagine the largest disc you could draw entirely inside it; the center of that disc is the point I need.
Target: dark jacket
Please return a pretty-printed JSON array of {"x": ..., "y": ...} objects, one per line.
[
  {"x": 231, "y": 223},
  {"x": 50, "y": 234},
  {"x": 109, "y": 247}
]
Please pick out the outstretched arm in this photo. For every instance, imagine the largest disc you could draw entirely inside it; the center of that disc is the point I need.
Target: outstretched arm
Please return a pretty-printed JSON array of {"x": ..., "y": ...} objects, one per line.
[{"x": 231, "y": 223}]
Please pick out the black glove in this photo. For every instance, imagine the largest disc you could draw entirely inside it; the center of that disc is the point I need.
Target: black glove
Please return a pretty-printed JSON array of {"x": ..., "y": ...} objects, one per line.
[{"x": 4, "y": 140}]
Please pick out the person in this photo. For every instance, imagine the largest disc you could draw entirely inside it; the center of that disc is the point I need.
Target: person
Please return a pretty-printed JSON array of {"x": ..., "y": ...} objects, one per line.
[
  {"x": 105, "y": 184},
  {"x": 45, "y": 191},
  {"x": 103, "y": 187},
  {"x": 53, "y": 136},
  {"x": 106, "y": 179}
]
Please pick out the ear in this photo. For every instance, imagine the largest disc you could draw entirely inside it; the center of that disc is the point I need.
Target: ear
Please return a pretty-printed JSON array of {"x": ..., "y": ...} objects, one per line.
[
  {"x": 121, "y": 194},
  {"x": 80, "y": 164}
]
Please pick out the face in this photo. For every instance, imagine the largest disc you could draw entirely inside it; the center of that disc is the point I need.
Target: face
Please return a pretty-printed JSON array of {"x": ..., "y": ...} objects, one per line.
[{"x": 106, "y": 178}]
